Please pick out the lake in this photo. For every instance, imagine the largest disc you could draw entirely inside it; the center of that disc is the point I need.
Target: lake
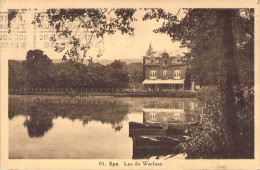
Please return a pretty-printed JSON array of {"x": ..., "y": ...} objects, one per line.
[{"x": 58, "y": 127}]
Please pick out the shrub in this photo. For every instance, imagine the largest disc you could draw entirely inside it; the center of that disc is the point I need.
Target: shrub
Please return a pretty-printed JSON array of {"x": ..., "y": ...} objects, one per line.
[{"x": 208, "y": 139}]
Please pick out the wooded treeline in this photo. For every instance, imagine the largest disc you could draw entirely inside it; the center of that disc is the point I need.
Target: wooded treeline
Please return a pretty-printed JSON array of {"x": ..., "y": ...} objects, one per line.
[{"x": 38, "y": 71}]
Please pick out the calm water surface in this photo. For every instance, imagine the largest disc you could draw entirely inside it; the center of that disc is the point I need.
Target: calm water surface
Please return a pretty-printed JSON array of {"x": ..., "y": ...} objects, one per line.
[{"x": 86, "y": 127}]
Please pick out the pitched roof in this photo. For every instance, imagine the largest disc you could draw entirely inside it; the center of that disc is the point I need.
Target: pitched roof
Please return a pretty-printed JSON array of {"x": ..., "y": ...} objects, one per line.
[
  {"x": 150, "y": 53},
  {"x": 171, "y": 54}
]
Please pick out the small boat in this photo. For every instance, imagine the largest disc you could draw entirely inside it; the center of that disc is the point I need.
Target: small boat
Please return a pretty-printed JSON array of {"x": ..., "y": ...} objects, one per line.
[
  {"x": 181, "y": 127},
  {"x": 139, "y": 129},
  {"x": 145, "y": 146},
  {"x": 155, "y": 142},
  {"x": 136, "y": 125},
  {"x": 147, "y": 132},
  {"x": 192, "y": 123},
  {"x": 183, "y": 123}
]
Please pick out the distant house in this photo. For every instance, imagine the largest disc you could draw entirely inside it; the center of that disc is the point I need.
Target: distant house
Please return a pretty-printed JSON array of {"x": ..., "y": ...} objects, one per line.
[{"x": 163, "y": 71}]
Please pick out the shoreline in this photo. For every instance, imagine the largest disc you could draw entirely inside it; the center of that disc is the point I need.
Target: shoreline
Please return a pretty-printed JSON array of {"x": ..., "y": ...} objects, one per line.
[{"x": 179, "y": 94}]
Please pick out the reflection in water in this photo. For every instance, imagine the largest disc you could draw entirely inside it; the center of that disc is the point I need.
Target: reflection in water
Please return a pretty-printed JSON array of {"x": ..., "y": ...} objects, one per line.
[
  {"x": 117, "y": 127},
  {"x": 162, "y": 130},
  {"x": 41, "y": 113},
  {"x": 38, "y": 124},
  {"x": 139, "y": 127}
]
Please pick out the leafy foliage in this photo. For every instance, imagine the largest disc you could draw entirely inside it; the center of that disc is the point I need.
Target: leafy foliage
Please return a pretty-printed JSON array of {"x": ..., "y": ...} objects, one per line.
[
  {"x": 187, "y": 81},
  {"x": 16, "y": 74},
  {"x": 38, "y": 71},
  {"x": 208, "y": 140},
  {"x": 118, "y": 74},
  {"x": 69, "y": 74},
  {"x": 135, "y": 74},
  {"x": 91, "y": 26},
  {"x": 11, "y": 15},
  {"x": 36, "y": 68}
]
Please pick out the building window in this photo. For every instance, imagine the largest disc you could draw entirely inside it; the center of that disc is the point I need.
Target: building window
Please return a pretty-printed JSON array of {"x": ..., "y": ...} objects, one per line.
[
  {"x": 165, "y": 61},
  {"x": 165, "y": 55},
  {"x": 153, "y": 74},
  {"x": 176, "y": 117},
  {"x": 152, "y": 60},
  {"x": 177, "y": 74},
  {"x": 152, "y": 116},
  {"x": 165, "y": 74}
]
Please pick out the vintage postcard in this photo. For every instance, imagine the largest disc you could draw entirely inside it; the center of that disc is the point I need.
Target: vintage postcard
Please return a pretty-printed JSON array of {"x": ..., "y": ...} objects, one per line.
[{"x": 129, "y": 84}]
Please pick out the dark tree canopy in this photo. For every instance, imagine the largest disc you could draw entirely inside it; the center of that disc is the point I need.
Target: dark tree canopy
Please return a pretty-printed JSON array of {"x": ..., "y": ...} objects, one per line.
[
  {"x": 38, "y": 71},
  {"x": 15, "y": 74},
  {"x": 118, "y": 74},
  {"x": 187, "y": 82},
  {"x": 36, "y": 66}
]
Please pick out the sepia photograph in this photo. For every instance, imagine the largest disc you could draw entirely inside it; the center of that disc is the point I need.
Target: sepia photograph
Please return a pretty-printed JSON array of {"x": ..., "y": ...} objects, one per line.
[{"x": 141, "y": 85}]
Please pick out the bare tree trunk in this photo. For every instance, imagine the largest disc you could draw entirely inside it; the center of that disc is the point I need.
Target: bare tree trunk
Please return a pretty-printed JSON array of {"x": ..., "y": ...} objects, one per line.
[{"x": 226, "y": 82}]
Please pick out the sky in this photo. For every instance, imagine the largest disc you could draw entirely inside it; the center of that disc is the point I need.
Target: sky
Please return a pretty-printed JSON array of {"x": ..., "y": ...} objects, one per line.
[
  {"x": 125, "y": 46},
  {"x": 116, "y": 46}
]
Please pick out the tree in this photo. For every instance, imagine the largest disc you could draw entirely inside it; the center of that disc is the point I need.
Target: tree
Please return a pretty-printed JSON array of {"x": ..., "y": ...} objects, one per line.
[
  {"x": 15, "y": 74},
  {"x": 135, "y": 74},
  {"x": 99, "y": 75},
  {"x": 214, "y": 37},
  {"x": 187, "y": 82},
  {"x": 118, "y": 74},
  {"x": 226, "y": 81},
  {"x": 78, "y": 31},
  {"x": 197, "y": 31},
  {"x": 69, "y": 74},
  {"x": 91, "y": 26},
  {"x": 37, "y": 67}
]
